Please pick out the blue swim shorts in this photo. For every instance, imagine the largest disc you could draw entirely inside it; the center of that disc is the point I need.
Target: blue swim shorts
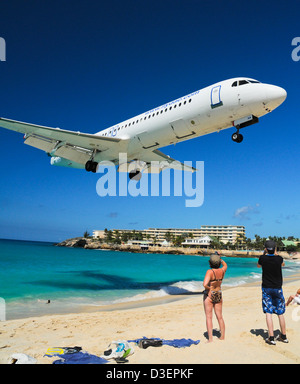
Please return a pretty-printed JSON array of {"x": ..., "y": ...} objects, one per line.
[{"x": 273, "y": 301}]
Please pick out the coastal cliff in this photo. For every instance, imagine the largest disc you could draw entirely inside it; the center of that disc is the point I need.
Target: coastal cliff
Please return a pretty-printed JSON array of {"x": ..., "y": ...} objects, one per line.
[{"x": 88, "y": 243}]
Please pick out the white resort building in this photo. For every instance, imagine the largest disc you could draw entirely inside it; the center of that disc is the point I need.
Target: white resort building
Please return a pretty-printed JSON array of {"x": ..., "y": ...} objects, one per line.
[{"x": 224, "y": 233}]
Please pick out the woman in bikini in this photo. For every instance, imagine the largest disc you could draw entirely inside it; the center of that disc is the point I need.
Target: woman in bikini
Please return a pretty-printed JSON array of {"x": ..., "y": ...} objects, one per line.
[{"x": 212, "y": 299}]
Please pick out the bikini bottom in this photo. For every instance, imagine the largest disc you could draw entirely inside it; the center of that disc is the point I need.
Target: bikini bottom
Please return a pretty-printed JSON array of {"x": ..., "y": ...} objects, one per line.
[{"x": 216, "y": 297}]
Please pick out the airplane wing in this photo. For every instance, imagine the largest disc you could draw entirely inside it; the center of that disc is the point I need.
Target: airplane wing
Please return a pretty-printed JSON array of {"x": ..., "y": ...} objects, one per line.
[
  {"x": 79, "y": 147},
  {"x": 154, "y": 162},
  {"x": 161, "y": 161},
  {"x": 75, "y": 146}
]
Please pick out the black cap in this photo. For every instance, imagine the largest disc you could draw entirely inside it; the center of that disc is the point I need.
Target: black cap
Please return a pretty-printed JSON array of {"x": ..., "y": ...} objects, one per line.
[{"x": 270, "y": 245}]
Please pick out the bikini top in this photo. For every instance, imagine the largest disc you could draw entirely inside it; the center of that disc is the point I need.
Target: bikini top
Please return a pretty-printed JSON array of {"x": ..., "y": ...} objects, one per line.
[{"x": 215, "y": 279}]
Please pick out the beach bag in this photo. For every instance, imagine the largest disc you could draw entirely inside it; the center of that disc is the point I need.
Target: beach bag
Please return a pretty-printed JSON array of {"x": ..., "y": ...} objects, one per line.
[
  {"x": 21, "y": 358},
  {"x": 145, "y": 343},
  {"x": 118, "y": 349}
]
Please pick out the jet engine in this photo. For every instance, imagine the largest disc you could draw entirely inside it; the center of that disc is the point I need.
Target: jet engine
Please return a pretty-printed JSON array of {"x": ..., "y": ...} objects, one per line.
[{"x": 62, "y": 162}]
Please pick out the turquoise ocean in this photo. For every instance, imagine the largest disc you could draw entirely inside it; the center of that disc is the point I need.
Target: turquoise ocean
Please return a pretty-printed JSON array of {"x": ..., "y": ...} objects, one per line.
[{"x": 33, "y": 272}]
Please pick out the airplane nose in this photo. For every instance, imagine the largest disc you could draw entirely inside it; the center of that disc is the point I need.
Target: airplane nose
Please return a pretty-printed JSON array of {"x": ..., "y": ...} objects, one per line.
[{"x": 276, "y": 96}]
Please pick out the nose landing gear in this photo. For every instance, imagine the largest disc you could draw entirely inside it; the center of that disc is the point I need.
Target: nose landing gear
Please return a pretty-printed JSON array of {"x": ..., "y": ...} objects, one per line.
[
  {"x": 242, "y": 123},
  {"x": 237, "y": 137}
]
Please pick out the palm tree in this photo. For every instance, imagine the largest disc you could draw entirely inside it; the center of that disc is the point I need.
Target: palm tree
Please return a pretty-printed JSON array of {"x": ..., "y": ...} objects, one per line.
[
  {"x": 168, "y": 236},
  {"x": 178, "y": 241}
]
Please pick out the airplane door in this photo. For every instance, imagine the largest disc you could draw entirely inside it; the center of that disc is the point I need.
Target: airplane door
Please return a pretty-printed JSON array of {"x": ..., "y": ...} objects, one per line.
[
  {"x": 215, "y": 97},
  {"x": 181, "y": 129}
]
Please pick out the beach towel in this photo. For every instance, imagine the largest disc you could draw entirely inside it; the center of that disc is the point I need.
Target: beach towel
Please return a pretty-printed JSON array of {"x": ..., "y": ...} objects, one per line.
[
  {"x": 79, "y": 358},
  {"x": 177, "y": 343},
  {"x": 181, "y": 343}
]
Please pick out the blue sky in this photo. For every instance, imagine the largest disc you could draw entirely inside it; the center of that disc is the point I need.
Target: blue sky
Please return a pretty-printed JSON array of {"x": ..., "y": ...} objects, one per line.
[{"x": 86, "y": 65}]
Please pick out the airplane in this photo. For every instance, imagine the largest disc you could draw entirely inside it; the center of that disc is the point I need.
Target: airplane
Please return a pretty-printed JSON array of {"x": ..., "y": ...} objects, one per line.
[{"x": 237, "y": 102}]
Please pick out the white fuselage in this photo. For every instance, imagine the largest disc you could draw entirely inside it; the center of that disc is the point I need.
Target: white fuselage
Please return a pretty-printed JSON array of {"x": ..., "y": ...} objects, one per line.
[{"x": 211, "y": 109}]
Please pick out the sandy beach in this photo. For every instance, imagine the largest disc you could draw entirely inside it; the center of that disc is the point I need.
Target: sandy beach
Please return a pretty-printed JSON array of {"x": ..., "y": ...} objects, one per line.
[{"x": 93, "y": 331}]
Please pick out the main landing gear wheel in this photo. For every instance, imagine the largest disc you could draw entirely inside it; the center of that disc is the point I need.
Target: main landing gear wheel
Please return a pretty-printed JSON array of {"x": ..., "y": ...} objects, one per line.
[
  {"x": 91, "y": 166},
  {"x": 135, "y": 175},
  {"x": 237, "y": 137}
]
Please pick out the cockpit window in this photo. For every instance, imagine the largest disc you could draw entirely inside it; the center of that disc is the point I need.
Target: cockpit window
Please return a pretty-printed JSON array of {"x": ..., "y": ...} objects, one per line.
[{"x": 242, "y": 82}]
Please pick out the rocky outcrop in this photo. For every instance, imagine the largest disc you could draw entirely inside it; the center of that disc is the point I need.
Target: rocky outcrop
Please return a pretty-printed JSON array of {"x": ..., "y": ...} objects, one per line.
[{"x": 77, "y": 242}]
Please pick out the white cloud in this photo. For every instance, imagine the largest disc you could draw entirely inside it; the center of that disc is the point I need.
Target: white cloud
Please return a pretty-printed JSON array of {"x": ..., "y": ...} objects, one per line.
[{"x": 244, "y": 212}]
